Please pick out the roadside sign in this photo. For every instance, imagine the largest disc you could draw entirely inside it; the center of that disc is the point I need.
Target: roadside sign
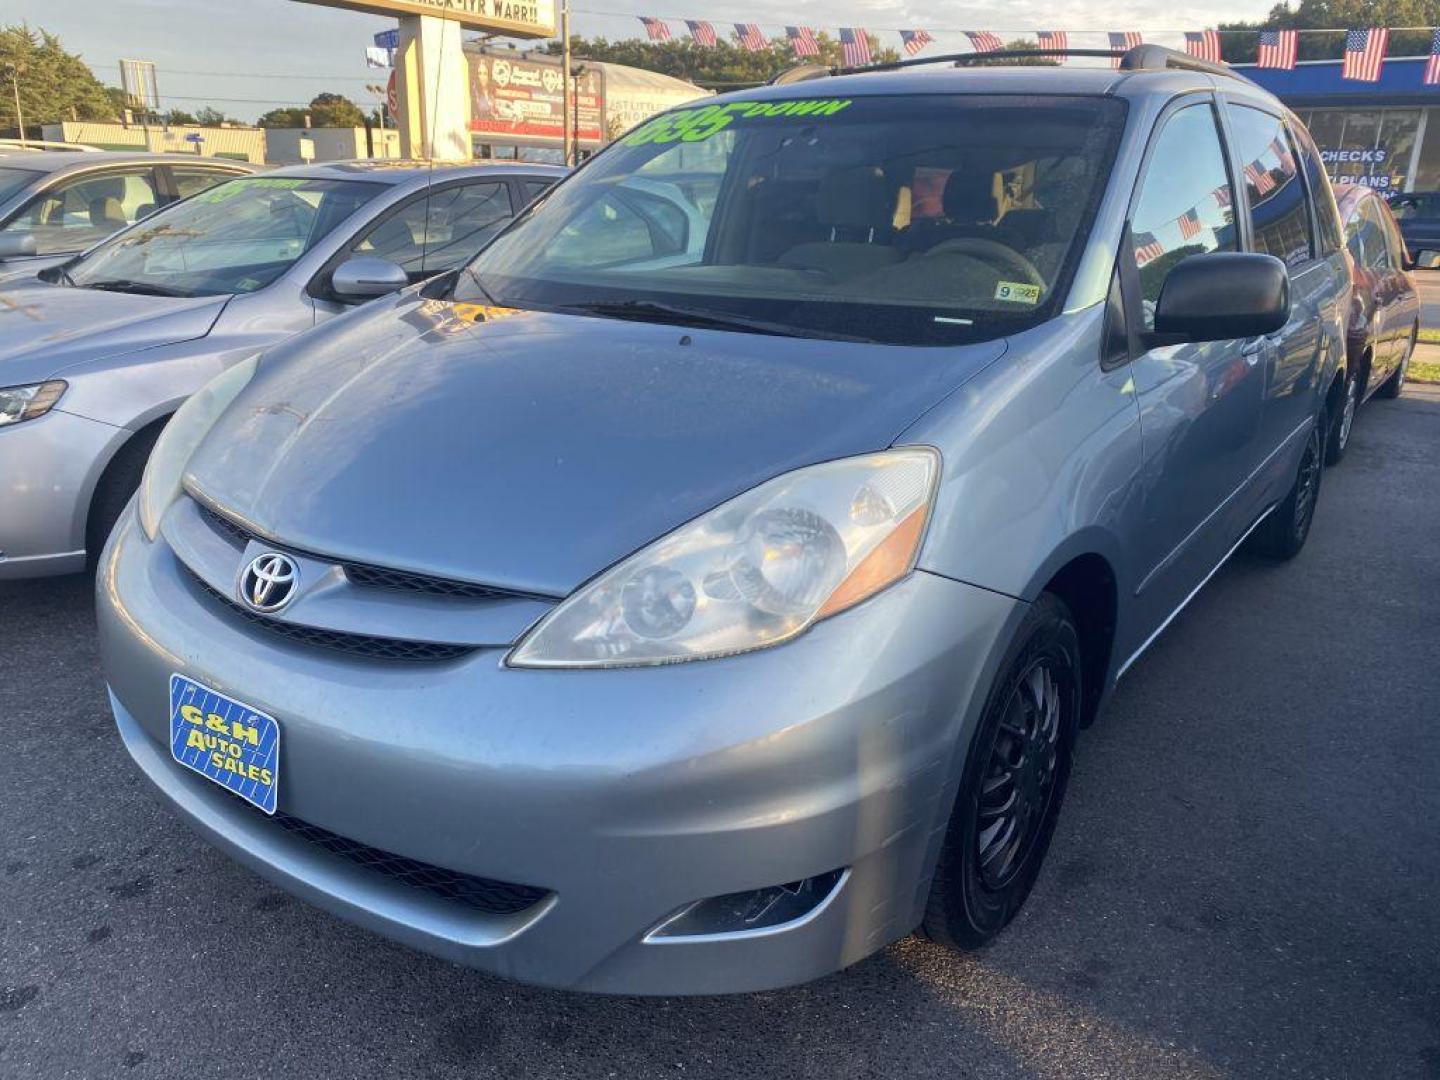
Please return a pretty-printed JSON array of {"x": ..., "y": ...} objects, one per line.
[{"x": 387, "y": 39}]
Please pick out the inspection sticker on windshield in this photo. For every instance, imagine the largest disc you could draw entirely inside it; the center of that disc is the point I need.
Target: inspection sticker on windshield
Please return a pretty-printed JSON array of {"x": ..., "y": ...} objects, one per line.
[
  {"x": 226, "y": 741},
  {"x": 1017, "y": 293}
]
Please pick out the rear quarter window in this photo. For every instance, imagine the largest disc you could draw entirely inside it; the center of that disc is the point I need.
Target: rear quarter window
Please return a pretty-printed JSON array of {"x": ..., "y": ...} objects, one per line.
[{"x": 1327, "y": 217}]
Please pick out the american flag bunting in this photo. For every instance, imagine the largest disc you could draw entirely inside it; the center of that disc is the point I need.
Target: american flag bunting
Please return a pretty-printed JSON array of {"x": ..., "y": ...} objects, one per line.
[
  {"x": 1190, "y": 225},
  {"x": 750, "y": 37},
  {"x": 1204, "y": 44},
  {"x": 1278, "y": 49},
  {"x": 1260, "y": 179},
  {"x": 855, "y": 46},
  {"x": 1052, "y": 39},
  {"x": 1432, "y": 66},
  {"x": 984, "y": 41},
  {"x": 1364, "y": 54},
  {"x": 702, "y": 33},
  {"x": 1147, "y": 248},
  {"x": 802, "y": 40},
  {"x": 915, "y": 40},
  {"x": 655, "y": 29},
  {"x": 1123, "y": 42}
]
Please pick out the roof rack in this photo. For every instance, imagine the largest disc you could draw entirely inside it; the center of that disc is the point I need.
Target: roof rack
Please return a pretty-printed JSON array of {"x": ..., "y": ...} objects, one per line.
[{"x": 1139, "y": 58}]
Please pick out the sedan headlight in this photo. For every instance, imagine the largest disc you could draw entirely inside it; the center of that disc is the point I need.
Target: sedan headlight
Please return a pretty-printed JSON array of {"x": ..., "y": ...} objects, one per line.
[
  {"x": 192, "y": 422},
  {"x": 19, "y": 403},
  {"x": 753, "y": 572}
]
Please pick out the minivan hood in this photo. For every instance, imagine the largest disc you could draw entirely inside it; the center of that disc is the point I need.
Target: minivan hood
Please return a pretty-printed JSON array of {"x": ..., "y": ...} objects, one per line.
[
  {"x": 532, "y": 450},
  {"x": 46, "y": 328}
]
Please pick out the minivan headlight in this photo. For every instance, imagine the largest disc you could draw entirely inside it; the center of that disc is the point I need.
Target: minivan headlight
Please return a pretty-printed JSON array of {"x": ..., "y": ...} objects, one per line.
[
  {"x": 160, "y": 485},
  {"x": 19, "y": 403},
  {"x": 753, "y": 572}
]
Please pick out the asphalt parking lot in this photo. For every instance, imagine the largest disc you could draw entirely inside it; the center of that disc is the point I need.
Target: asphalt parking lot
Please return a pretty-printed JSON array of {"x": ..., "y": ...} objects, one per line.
[{"x": 1244, "y": 881}]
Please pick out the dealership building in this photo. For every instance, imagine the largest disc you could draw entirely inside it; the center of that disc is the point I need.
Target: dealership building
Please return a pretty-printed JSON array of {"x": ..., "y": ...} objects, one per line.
[{"x": 1384, "y": 134}]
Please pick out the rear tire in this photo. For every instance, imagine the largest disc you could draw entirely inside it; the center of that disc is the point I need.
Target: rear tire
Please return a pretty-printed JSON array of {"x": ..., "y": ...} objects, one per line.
[
  {"x": 1013, "y": 784},
  {"x": 117, "y": 484},
  {"x": 1286, "y": 529},
  {"x": 1338, "y": 438}
]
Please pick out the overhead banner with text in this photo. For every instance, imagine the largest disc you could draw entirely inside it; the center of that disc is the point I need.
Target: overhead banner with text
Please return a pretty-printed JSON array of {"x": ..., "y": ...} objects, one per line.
[{"x": 521, "y": 100}]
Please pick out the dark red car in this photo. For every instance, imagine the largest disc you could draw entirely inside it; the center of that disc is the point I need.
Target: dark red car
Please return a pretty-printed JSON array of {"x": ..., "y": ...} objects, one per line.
[{"x": 1385, "y": 311}]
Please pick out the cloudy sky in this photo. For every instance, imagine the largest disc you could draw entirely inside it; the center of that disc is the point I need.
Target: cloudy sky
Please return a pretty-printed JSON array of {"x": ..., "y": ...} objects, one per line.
[{"x": 248, "y": 56}]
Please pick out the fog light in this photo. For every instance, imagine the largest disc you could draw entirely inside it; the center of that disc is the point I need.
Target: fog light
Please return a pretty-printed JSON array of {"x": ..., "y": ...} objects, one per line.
[{"x": 755, "y": 909}]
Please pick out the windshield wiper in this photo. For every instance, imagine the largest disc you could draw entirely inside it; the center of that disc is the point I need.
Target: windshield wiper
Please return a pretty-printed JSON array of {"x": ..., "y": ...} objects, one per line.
[
  {"x": 653, "y": 311},
  {"x": 141, "y": 288}
]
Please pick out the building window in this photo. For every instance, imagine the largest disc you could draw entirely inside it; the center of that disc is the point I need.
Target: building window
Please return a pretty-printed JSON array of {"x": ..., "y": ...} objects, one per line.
[{"x": 1371, "y": 147}]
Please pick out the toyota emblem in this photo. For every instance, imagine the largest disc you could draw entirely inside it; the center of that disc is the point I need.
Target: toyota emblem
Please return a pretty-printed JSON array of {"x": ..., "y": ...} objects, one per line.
[{"x": 269, "y": 582}]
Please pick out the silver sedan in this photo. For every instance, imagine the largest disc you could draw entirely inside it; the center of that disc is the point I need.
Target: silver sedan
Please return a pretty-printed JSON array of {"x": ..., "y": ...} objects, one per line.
[{"x": 96, "y": 353}]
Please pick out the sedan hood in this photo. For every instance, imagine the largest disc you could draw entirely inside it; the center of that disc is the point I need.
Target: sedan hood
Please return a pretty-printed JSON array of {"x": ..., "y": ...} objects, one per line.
[
  {"x": 45, "y": 329},
  {"x": 530, "y": 450}
]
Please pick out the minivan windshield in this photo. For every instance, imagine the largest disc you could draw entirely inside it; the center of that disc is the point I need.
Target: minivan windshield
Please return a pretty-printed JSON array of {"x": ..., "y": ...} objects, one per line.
[
  {"x": 233, "y": 238},
  {"x": 923, "y": 219}
]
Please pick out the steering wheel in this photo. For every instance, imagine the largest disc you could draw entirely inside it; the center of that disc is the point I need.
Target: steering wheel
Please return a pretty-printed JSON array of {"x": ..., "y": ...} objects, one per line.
[{"x": 996, "y": 254}]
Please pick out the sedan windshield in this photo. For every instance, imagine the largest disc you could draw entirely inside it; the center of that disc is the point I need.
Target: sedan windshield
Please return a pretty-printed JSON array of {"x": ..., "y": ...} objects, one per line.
[
  {"x": 234, "y": 238},
  {"x": 15, "y": 180},
  {"x": 925, "y": 219}
]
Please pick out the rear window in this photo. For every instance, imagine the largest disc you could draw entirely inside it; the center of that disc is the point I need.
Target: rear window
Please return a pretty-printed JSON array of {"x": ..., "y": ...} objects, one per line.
[
  {"x": 13, "y": 181},
  {"x": 1279, "y": 209}
]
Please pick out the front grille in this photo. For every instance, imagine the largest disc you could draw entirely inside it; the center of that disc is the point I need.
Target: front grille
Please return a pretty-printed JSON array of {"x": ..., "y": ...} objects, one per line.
[
  {"x": 367, "y": 645},
  {"x": 478, "y": 893},
  {"x": 366, "y": 575}
]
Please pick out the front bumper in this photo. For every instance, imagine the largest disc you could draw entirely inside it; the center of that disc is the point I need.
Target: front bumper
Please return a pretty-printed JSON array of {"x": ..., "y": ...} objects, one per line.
[
  {"x": 627, "y": 794},
  {"x": 48, "y": 470}
]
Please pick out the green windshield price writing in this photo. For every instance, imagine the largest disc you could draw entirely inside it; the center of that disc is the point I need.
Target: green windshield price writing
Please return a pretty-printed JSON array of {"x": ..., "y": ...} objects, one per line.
[
  {"x": 697, "y": 125},
  {"x": 235, "y": 187}
]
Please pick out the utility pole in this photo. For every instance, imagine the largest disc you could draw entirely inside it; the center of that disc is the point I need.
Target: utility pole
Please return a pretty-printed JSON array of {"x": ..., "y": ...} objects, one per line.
[
  {"x": 15, "y": 70},
  {"x": 567, "y": 103}
]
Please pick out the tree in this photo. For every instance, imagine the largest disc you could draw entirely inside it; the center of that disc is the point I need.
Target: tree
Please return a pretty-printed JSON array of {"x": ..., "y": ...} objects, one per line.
[
  {"x": 1337, "y": 15},
  {"x": 54, "y": 85},
  {"x": 725, "y": 67},
  {"x": 210, "y": 116},
  {"x": 324, "y": 110},
  {"x": 178, "y": 116},
  {"x": 1021, "y": 45}
]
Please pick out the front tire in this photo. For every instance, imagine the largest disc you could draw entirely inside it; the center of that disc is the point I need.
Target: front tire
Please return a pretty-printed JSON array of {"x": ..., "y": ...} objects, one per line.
[
  {"x": 1013, "y": 785},
  {"x": 1288, "y": 527}
]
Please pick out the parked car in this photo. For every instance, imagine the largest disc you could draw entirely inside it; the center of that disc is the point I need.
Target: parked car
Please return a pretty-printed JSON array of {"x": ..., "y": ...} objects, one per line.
[
  {"x": 56, "y": 204},
  {"x": 1384, "y": 310},
  {"x": 630, "y": 623},
  {"x": 110, "y": 343},
  {"x": 38, "y": 146},
  {"x": 1418, "y": 213}
]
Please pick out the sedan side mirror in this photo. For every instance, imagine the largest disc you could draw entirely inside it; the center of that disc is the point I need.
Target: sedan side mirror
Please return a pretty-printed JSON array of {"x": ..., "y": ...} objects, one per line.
[
  {"x": 1222, "y": 295},
  {"x": 365, "y": 277},
  {"x": 17, "y": 245},
  {"x": 1422, "y": 259}
]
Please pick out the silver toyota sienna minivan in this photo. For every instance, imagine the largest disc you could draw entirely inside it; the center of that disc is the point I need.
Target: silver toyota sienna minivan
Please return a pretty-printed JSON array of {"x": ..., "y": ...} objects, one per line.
[{"x": 705, "y": 586}]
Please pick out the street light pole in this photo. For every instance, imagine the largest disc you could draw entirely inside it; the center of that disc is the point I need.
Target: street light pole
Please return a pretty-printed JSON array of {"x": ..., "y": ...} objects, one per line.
[
  {"x": 15, "y": 71},
  {"x": 567, "y": 103}
]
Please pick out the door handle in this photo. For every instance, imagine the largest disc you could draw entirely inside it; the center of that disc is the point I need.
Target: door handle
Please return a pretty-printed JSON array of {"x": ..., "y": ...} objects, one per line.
[{"x": 1254, "y": 349}]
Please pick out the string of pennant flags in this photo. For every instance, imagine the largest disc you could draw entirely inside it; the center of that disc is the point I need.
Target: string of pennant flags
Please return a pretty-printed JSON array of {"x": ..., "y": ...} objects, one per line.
[{"x": 1363, "y": 58}]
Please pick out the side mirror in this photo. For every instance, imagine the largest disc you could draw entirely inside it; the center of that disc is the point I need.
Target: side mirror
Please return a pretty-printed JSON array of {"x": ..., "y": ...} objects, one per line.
[
  {"x": 365, "y": 277},
  {"x": 17, "y": 245},
  {"x": 1222, "y": 295},
  {"x": 1422, "y": 259}
]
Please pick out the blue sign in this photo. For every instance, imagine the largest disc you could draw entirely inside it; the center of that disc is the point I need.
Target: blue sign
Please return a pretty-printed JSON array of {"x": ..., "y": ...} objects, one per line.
[
  {"x": 195, "y": 137},
  {"x": 226, "y": 741},
  {"x": 387, "y": 39}
]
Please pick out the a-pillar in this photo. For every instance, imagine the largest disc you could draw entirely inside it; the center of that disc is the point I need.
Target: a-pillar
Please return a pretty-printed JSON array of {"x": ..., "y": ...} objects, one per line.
[{"x": 433, "y": 89}]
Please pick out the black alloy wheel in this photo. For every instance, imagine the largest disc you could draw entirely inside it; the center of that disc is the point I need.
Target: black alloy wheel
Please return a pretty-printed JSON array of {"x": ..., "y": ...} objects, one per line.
[{"x": 1013, "y": 783}]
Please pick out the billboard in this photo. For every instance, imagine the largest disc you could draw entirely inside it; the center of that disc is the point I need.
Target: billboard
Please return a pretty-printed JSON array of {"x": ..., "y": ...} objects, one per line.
[
  {"x": 514, "y": 18},
  {"x": 519, "y": 100}
]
